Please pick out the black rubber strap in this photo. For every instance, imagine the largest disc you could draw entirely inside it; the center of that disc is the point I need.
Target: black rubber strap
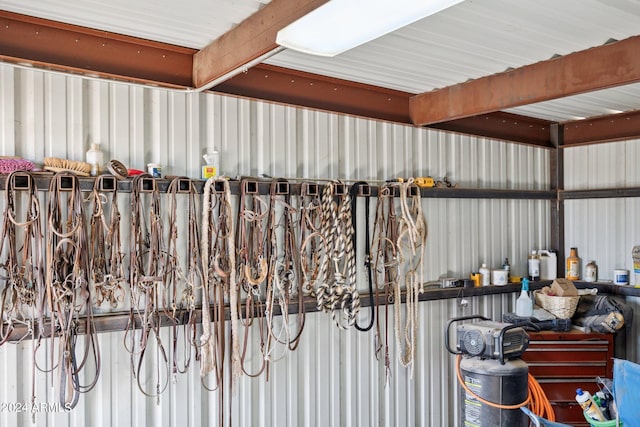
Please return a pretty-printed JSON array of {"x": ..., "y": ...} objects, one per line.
[{"x": 355, "y": 190}]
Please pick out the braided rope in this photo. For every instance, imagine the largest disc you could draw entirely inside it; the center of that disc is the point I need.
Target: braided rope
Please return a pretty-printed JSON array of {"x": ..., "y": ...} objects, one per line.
[{"x": 338, "y": 272}]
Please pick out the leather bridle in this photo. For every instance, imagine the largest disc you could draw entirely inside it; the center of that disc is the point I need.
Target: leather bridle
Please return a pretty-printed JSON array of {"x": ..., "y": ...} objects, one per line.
[
  {"x": 385, "y": 265},
  {"x": 106, "y": 257},
  {"x": 146, "y": 275},
  {"x": 253, "y": 268},
  {"x": 67, "y": 282},
  {"x": 180, "y": 288},
  {"x": 218, "y": 250},
  {"x": 283, "y": 279},
  {"x": 23, "y": 294}
]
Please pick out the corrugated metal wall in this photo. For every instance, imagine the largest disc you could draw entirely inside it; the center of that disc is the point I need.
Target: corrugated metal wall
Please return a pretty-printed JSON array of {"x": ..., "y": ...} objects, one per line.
[
  {"x": 333, "y": 378},
  {"x": 605, "y": 230}
]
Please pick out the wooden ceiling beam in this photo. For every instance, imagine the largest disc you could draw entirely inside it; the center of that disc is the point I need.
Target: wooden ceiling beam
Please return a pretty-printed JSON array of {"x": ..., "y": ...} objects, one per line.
[
  {"x": 610, "y": 65},
  {"x": 253, "y": 38},
  {"x": 75, "y": 49}
]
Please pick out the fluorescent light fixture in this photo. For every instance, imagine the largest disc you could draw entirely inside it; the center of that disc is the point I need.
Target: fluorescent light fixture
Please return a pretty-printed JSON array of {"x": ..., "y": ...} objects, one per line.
[{"x": 340, "y": 25}]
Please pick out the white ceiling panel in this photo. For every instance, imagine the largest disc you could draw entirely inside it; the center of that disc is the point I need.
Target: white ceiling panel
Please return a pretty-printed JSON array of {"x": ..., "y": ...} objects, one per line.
[
  {"x": 187, "y": 23},
  {"x": 474, "y": 39},
  {"x": 592, "y": 104}
]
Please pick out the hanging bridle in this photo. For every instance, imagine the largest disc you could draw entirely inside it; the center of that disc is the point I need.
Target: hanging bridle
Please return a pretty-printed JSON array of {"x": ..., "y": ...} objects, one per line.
[
  {"x": 385, "y": 267},
  {"x": 253, "y": 268},
  {"x": 218, "y": 257},
  {"x": 179, "y": 287},
  {"x": 106, "y": 257},
  {"x": 146, "y": 276},
  {"x": 67, "y": 283},
  {"x": 309, "y": 235},
  {"x": 23, "y": 294},
  {"x": 283, "y": 281}
]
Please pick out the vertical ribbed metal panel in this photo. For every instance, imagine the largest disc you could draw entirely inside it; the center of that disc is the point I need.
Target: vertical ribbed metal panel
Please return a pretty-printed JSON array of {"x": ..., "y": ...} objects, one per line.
[
  {"x": 605, "y": 230},
  {"x": 333, "y": 378}
]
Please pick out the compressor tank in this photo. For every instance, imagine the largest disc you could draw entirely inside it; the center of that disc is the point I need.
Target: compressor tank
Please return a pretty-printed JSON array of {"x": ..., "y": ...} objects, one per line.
[{"x": 503, "y": 384}]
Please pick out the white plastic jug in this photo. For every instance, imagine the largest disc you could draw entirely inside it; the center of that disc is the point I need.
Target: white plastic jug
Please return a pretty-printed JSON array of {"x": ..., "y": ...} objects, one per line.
[{"x": 548, "y": 264}]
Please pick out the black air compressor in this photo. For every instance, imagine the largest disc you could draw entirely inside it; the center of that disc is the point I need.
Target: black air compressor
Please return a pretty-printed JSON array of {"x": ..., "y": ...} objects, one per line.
[{"x": 493, "y": 379}]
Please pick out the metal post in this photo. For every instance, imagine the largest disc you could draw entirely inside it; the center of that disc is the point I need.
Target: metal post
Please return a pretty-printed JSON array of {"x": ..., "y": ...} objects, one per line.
[{"x": 557, "y": 184}]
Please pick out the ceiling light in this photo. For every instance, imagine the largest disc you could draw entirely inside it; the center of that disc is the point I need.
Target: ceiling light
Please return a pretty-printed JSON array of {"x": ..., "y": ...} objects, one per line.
[{"x": 340, "y": 25}]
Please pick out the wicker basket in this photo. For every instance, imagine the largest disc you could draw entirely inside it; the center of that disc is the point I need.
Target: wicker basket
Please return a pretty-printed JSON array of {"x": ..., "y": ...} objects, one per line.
[{"x": 561, "y": 307}]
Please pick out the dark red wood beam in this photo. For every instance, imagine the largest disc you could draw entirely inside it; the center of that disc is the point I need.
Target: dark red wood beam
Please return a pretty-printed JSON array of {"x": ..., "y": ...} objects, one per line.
[
  {"x": 601, "y": 67},
  {"x": 66, "y": 47},
  {"x": 612, "y": 127}
]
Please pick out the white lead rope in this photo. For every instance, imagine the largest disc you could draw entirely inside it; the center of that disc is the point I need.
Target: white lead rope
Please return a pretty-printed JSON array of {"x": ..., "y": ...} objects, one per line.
[
  {"x": 412, "y": 235},
  {"x": 207, "y": 363}
]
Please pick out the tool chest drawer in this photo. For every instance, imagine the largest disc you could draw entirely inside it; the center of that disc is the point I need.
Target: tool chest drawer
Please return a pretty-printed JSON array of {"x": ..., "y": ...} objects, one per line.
[{"x": 565, "y": 361}]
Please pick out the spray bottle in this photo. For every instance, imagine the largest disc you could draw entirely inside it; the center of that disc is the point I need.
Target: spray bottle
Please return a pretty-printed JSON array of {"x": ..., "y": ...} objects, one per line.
[{"x": 524, "y": 305}]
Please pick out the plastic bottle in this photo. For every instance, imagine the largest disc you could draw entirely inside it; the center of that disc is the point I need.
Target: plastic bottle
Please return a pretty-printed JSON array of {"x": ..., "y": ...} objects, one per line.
[
  {"x": 635, "y": 255},
  {"x": 533, "y": 263},
  {"x": 548, "y": 264},
  {"x": 485, "y": 275},
  {"x": 507, "y": 266},
  {"x": 95, "y": 158},
  {"x": 524, "y": 304},
  {"x": 591, "y": 272},
  {"x": 212, "y": 165},
  {"x": 589, "y": 406},
  {"x": 573, "y": 265}
]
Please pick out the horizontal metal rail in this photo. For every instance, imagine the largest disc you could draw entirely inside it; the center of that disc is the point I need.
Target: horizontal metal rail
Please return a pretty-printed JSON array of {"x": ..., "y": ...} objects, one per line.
[
  {"x": 262, "y": 186},
  {"x": 119, "y": 321}
]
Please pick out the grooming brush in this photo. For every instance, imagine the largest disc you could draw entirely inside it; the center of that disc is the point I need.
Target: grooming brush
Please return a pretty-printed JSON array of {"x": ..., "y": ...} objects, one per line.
[{"x": 55, "y": 164}]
